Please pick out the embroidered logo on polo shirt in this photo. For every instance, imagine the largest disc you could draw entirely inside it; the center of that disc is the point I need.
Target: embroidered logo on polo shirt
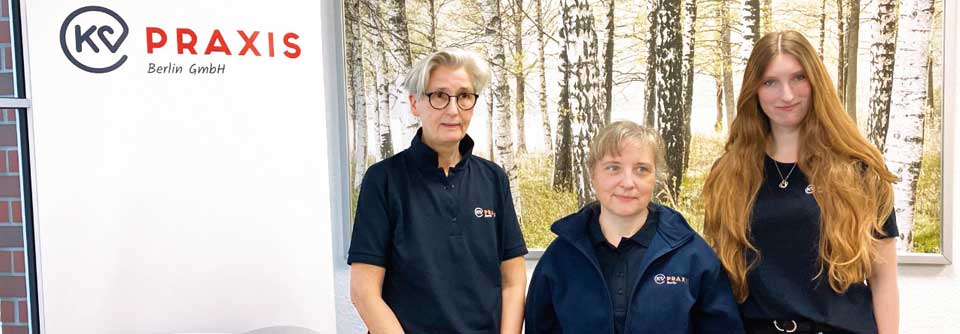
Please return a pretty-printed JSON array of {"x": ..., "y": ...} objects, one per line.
[
  {"x": 484, "y": 213},
  {"x": 669, "y": 279}
]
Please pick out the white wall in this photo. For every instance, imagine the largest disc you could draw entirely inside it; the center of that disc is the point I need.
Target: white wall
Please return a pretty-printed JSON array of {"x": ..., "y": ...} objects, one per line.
[
  {"x": 929, "y": 294},
  {"x": 169, "y": 204}
]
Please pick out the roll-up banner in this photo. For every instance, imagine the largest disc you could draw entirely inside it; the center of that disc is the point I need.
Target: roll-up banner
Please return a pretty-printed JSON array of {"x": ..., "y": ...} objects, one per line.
[{"x": 180, "y": 166}]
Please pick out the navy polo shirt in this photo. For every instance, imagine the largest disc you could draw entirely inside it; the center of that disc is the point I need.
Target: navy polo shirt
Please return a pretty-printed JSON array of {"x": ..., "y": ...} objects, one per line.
[
  {"x": 441, "y": 238},
  {"x": 786, "y": 231},
  {"x": 621, "y": 264}
]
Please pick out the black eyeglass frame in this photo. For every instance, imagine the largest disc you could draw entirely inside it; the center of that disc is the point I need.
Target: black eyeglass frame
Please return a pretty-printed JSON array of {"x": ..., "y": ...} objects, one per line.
[{"x": 451, "y": 97}]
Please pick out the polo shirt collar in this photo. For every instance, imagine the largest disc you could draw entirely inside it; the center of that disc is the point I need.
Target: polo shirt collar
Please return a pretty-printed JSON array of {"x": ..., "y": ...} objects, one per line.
[
  {"x": 642, "y": 237},
  {"x": 426, "y": 158}
]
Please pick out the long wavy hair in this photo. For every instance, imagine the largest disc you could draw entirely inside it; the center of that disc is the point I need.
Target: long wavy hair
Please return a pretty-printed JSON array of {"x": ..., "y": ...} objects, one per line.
[{"x": 853, "y": 186}]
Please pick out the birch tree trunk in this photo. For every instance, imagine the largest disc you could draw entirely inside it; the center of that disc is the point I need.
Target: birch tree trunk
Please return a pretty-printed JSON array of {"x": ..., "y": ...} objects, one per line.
[
  {"x": 608, "y": 63},
  {"x": 883, "y": 58},
  {"x": 689, "y": 38},
  {"x": 520, "y": 75},
  {"x": 727, "y": 67},
  {"x": 382, "y": 81},
  {"x": 904, "y": 145},
  {"x": 841, "y": 50},
  {"x": 586, "y": 102},
  {"x": 751, "y": 23},
  {"x": 823, "y": 26},
  {"x": 383, "y": 105},
  {"x": 541, "y": 62},
  {"x": 491, "y": 31},
  {"x": 669, "y": 100},
  {"x": 718, "y": 125},
  {"x": 491, "y": 108},
  {"x": 403, "y": 60},
  {"x": 766, "y": 19},
  {"x": 357, "y": 102},
  {"x": 503, "y": 132},
  {"x": 433, "y": 25},
  {"x": 563, "y": 156},
  {"x": 852, "y": 44},
  {"x": 650, "y": 87}
]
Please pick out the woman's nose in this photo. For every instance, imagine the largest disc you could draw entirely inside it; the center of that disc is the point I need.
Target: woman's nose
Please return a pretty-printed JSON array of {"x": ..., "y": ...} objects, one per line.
[
  {"x": 787, "y": 94},
  {"x": 628, "y": 180}
]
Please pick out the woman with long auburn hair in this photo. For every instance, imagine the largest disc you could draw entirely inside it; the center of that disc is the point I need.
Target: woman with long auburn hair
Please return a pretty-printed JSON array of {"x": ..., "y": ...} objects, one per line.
[{"x": 799, "y": 206}]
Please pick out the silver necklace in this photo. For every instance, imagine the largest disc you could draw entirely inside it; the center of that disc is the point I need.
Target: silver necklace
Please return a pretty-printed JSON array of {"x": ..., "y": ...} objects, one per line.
[{"x": 783, "y": 180}]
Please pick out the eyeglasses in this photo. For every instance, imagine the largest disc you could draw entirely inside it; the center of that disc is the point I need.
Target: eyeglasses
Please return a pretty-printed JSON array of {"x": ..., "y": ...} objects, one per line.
[{"x": 440, "y": 100}]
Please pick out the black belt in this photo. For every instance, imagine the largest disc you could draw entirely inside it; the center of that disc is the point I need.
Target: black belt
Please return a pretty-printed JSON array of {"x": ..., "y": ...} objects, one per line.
[{"x": 756, "y": 326}]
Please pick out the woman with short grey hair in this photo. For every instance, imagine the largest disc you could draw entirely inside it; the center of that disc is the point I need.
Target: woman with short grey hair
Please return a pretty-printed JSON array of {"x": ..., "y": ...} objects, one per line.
[{"x": 436, "y": 244}]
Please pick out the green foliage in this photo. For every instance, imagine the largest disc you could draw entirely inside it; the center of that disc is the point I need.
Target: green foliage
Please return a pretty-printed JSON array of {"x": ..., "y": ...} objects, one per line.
[
  {"x": 354, "y": 196},
  {"x": 928, "y": 205},
  {"x": 927, "y": 208},
  {"x": 704, "y": 150},
  {"x": 541, "y": 204}
]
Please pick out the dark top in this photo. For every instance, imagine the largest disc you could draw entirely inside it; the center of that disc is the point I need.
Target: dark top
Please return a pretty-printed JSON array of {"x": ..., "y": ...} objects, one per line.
[
  {"x": 680, "y": 286},
  {"x": 621, "y": 264},
  {"x": 786, "y": 231},
  {"x": 440, "y": 238}
]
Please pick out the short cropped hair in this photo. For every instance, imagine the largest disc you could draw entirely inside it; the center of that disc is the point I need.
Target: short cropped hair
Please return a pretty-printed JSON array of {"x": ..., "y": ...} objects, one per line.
[
  {"x": 416, "y": 80},
  {"x": 611, "y": 138}
]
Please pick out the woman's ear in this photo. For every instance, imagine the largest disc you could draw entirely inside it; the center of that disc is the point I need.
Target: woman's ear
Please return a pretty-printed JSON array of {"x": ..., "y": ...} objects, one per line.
[{"x": 413, "y": 105}]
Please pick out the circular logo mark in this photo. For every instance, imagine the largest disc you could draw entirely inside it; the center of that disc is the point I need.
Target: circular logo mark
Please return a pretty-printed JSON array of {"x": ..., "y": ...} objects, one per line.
[
  {"x": 660, "y": 278},
  {"x": 90, "y": 38},
  {"x": 478, "y": 212}
]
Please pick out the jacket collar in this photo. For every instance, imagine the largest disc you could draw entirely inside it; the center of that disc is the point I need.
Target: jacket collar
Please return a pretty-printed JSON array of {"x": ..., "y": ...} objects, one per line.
[
  {"x": 425, "y": 157},
  {"x": 671, "y": 227},
  {"x": 642, "y": 237},
  {"x": 672, "y": 232}
]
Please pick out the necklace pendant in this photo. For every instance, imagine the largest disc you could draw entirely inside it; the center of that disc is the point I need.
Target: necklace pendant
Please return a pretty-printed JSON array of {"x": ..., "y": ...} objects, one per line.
[{"x": 784, "y": 184}]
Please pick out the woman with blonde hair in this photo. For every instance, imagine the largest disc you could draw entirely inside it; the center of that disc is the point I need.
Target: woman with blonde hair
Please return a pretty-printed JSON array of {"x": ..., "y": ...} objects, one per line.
[
  {"x": 799, "y": 206},
  {"x": 624, "y": 264}
]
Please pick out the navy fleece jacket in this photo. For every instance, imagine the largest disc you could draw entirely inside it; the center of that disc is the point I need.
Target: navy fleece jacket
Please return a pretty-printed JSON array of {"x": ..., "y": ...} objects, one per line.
[{"x": 682, "y": 287}]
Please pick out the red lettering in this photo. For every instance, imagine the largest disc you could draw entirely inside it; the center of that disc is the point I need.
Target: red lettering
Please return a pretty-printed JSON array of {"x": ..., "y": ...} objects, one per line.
[
  {"x": 217, "y": 44},
  {"x": 294, "y": 49},
  {"x": 248, "y": 43},
  {"x": 153, "y": 44},
  {"x": 183, "y": 45},
  {"x": 187, "y": 42},
  {"x": 270, "y": 39}
]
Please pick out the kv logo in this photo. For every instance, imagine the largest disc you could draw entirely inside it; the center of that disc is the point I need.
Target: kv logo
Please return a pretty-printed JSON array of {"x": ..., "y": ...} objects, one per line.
[{"x": 90, "y": 38}]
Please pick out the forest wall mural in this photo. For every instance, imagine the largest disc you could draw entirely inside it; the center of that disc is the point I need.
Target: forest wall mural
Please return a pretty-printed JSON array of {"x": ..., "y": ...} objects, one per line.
[{"x": 564, "y": 68}]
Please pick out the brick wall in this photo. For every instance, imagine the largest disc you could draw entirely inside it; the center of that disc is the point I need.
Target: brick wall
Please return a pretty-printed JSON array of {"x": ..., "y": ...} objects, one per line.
[
  {"x": 14, "y": 311},
  {"x": 7, "y": 63},
  {"x": 13, "y": 285}
]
